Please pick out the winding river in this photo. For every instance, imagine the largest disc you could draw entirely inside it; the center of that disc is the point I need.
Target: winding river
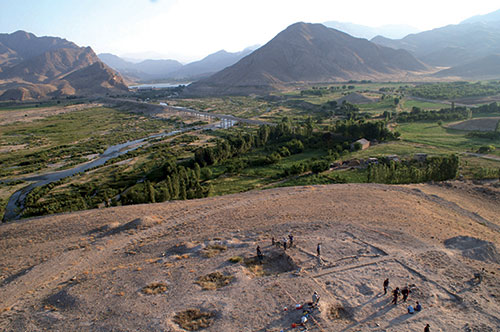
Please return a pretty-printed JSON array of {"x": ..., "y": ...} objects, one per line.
[{"x": 16, "y": 203}]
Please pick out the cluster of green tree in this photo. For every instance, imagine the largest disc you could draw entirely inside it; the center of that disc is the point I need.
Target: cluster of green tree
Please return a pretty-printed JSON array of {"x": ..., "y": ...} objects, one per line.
[
  {"x": 446, "y": 114},
  {"x": 486, "y": 173},
  {"x": 163, "y": 177},
  {"x": 180, "y": 183},
  {"x": 433, "y": 169},
  {"x": 345, "y": 108},
  {"x": 351, "y": 130},
  {"x": 159, "y": 179},
  {"x": 453, "y": 90},
  {"x": 487, "y": 108},
  {"x": 314, "y": 166}
]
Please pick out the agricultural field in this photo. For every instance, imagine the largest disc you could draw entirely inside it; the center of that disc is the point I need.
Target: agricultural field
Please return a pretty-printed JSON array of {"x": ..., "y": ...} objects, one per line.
[{"x": 310, "y": 133}]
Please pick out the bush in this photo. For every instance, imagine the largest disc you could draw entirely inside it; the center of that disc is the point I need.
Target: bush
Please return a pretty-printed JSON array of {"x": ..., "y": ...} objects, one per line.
[{"x": 486, "y": 149}]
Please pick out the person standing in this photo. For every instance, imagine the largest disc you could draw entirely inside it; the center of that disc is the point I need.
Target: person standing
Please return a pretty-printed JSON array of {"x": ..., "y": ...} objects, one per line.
[
  {"x": 284, "y": 243},
  {"x": 260, "y": 256},
  {"x": 427, "y": 328},
  {"x": 386, "y": 285},
  {"x": 315, "y": 299},
  {"x": 405, "y": 292},
  {"x": 318, "y": 249},
  {"x": 290, "y": 236},
  {"x": 395, "y": 293}
]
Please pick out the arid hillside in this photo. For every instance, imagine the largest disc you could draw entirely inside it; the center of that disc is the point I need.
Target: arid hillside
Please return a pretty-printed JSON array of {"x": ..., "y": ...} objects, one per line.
[
  {"x": 189, "y": 265},
  {"x": 306, "y": 52},
  {"x": 34, "y": 67}
]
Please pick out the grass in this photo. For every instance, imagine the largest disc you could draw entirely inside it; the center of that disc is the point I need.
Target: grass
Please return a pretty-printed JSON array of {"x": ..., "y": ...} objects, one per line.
[
  {"x": 213, "y": 250},
  {"x": 155, "y": 288},
  {"x": 431, "y": 134},
  {"x": 66, "y": 138},
  {"x": 254, "y": 267},
  {"x": 193, "y": 319},
  {"x": 214, "y": 280},
  {"x": 236, "y": 259},
  {"x": 408, "y": 104}
]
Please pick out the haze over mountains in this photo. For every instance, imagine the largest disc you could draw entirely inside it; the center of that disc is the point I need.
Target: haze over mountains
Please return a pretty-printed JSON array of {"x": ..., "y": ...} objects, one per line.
[
  {"x": 308, "y": 53},
  {"x": 172, "y": 69},
  {"x": 362, "y": 31},
  {"x": 45, "y": 67},
  {"x": 454, "y": 45},
  {"x": 34, "y": 67}
]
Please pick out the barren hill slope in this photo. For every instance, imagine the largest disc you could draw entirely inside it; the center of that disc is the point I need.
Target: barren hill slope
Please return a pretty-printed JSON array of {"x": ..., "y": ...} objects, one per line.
[
  {"x": 308, "y": 53},
  {"x": 141, "y": 268},
  {"x": 40, "y": 67}
]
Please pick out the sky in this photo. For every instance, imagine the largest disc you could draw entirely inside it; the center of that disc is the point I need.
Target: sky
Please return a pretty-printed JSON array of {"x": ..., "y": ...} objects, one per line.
[{"x": 188, "y": 30}]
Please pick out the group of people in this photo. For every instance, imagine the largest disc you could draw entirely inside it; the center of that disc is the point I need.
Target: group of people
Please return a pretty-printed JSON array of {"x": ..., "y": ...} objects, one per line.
[
  {"x": 286, "y": 243},
  {"x": 405, "y": 292}
]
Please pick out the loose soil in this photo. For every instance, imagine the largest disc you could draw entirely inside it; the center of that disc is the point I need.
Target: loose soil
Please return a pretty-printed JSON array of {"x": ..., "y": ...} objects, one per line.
[{"x": 86, "y": 271}]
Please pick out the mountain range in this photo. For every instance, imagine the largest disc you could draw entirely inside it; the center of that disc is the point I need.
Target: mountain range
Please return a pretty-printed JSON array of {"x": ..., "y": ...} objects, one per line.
[
  {"x": 148, "y": 70},
  {"x": 452, "y": 45},
  {"x": 307, "y": 52},
  {"x": 34, "y": 67},
  {"x": 363, "y": 31}
]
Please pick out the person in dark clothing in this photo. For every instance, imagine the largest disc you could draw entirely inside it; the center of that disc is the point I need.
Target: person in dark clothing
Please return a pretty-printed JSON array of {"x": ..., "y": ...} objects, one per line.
[
  {"x": 405, "y": 292},
  {"x": 386, "y": 285},
  {"x": 427, "y": 328},
  {"x": 284, "y": 243},
  {"x": 291, "y": 240},
  {"x": 272, "y": 241},
  {"x": 259, "y": 254},
  {"x": 418, "y": 307},
  {"x": 318, "y": 249},
  {"x": 395, "y": 293}
]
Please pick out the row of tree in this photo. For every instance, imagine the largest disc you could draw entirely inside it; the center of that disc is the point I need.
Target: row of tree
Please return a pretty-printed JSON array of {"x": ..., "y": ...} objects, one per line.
[
  {"x": 433, "y": 169},
  {"x": 445, "y": 114}
]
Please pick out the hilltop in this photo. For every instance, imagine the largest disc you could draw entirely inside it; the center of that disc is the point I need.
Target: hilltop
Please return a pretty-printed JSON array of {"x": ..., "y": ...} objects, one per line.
[
  {"x": 34, "y": 67},
  {"x": 141, "y": 267},
  {"x": 306, "y": 52}
]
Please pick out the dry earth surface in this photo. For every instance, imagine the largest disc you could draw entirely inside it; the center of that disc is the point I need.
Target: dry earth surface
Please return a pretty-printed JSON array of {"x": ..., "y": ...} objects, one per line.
[{"x": 144, "y": 267}]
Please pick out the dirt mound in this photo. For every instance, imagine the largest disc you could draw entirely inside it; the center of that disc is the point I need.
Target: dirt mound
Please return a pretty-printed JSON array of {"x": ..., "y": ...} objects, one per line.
[
  {"x": 274, "y": 262},
  {"x": 483, "y": 124},
  {"x": 474, "y": 248},
  {"x": 340, "y": 312},
  {"x": 139, "y": 223}
]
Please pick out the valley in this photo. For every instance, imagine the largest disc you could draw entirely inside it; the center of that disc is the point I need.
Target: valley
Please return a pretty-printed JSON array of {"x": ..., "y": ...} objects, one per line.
[{"x": 301, "y": 184}]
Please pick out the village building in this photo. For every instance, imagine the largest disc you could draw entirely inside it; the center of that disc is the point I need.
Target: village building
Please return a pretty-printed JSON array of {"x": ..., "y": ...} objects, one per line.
[{"x": 365, "y": 144}]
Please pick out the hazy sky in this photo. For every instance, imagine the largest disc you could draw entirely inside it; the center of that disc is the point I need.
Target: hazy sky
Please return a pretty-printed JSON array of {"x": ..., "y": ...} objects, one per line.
[{"x": 191, "y": 29}]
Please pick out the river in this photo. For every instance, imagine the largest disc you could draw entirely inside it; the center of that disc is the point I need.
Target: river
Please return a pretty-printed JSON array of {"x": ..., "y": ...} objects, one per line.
[{"x": 16, "y": 203}]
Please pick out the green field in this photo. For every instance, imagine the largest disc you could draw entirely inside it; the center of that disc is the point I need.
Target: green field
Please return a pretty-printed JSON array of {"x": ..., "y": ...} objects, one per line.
[{"x": 61, "y": 141}]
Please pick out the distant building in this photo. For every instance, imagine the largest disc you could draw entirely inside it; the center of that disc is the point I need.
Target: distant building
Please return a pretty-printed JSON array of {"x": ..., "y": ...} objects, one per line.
[
  {"x": 420, "y": 157},
  {"x": 365, "y": 144}
]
